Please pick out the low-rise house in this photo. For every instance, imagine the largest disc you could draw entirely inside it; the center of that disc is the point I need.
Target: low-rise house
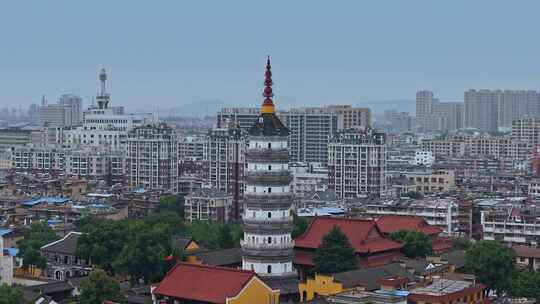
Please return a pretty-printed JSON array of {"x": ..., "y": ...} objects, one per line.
[
  {"x": 527, "y": 257},
  {"x": 445, "y": 291},
  {"x": 192, "y": 283},
  {"x": 367, "y": 279},
  {"x": 62, "y": 259}
]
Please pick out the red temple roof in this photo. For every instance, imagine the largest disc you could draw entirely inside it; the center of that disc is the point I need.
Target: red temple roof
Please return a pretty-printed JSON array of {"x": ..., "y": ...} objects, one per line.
[
  {"x": 203, "y": 283},
  {"x": 363, "y": 235},
  {"x": 394, "y": 223}
]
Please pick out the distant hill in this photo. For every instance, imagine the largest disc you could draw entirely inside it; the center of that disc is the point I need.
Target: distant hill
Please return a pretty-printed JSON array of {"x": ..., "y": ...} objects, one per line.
[
  {"x": 402, "y": 105},
  {"x": 211, "y": 107}
]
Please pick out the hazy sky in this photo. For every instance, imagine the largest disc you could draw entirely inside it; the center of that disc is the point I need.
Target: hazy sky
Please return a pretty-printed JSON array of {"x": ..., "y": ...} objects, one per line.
[{"x": 169, "y": 53}]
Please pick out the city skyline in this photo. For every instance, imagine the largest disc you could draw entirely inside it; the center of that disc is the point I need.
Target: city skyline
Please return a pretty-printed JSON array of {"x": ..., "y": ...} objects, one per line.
[{"x": 169, "y": 56}]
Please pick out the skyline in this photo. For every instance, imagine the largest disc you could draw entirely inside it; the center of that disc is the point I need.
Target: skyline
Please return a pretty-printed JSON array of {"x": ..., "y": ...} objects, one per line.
[{"x": 169, "y": 56}]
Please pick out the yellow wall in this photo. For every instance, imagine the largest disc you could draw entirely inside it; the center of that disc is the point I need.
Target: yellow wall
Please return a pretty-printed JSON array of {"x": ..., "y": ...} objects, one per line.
[
  {"x": 255, "y": 292},
  {"x": 192, "y": 246},
  {"x": 321, "y": 284}
]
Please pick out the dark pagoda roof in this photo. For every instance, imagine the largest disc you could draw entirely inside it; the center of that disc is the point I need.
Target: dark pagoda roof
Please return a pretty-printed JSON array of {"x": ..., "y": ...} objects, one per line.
[{"x": 268, "y": 124}]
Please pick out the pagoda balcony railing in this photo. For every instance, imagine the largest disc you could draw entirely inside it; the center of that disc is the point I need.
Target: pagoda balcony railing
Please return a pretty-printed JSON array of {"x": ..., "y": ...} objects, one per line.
[{"x": 249, "y": 245}]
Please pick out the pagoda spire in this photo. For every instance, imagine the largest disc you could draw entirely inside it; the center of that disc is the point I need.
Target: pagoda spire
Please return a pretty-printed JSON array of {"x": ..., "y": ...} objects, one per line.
[{"x": 268, "y": 104}]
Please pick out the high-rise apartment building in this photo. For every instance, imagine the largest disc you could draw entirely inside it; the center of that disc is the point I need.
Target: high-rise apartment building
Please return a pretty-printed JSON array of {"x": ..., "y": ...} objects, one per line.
[
  {"x": 357, "y": 163},
  {"x": 489, "y": 110},
  {"x": 65, "y": 113},
  {"x": 398, "y": 122},
  {"x": 351, "y": 117},
  {"x": 243, "y": 116},
  {"x": 224, "y": 161},
  {"x": 73, "y": 109},
  {"x": 310, "y": 128},
  {"x": 309, "y": 132},
  {"x": 448, "y": 115},
  {"x": 267, "y": 247},
  {"x": 433, "y": 115},
  {"x": 152, "y": 158},
  {"x": 424, "y": 107}
]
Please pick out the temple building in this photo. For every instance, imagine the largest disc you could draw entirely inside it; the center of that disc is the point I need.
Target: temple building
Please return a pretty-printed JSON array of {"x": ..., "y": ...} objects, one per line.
[{"x": 267, "y": 247}]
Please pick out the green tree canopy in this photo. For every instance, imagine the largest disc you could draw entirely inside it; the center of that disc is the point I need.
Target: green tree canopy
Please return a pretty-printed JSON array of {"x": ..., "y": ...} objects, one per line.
[
  {"x": 216, "y": 236},
  {"x": 492, "y": 263},
  {"x": 98, "y": 287},
  {"x": 133, "y": 247},
  {"x": 38, "y": 235},
  {"x": 335, "y": 254},
  {"x": 525, "y": 284},
  {"x": 171, "y": 203},
  {"x": 10, "y": 295},
  {"x": 300, "y": 225},
  {"x": 461, "y": 244},
  {"x": 416, "y": 244}
]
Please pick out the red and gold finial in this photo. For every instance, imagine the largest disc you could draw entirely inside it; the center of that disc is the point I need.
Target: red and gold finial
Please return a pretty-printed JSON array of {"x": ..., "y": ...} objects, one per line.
[{"x": 268, "y": 104}]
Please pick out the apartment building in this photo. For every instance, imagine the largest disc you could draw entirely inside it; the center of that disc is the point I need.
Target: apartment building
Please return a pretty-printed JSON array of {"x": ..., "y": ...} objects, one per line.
[
  {"x": 191, "y": 147},
  {"x": 433, "y": 115},
  {"x": 310, "y": 128},
  {"x": 352, "y": 117},
  {"x": 496, "y": 147},
  {"x": 513, "y": 225},
  {"x": 357, "y": 163},
  {"x": 309, "y": 132},
  {"x": 208, "y": 205},
  {"x": 152, "y": 158},
  {"x": 526, "y": 130},
  {"x": 224, "y": 161},
  {"x": 89, "y": 163},
  {"x": 432, "y": 181},
  {"x": 489, "y": 110},
  {"x": 443, "y": 213}
]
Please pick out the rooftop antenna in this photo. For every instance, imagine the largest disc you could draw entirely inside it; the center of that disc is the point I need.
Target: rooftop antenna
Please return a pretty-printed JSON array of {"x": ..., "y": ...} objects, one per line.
[
  {"x": 103, "y": 98},
  {"x": 43, "y": 100}
]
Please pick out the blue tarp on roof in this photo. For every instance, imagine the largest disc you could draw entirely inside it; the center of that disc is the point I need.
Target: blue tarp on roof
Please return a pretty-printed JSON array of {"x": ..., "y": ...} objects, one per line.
[
  {"x": 48, "y": 200},
  {"x": 4, "y": 231},
  {"x": 53, "y": 221},
  {"x": 139, "y": 190},
  {"x": 12, "y": 251}
]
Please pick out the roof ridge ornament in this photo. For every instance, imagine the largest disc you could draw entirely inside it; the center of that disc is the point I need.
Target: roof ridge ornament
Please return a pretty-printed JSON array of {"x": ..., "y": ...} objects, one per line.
[{"x": 268, "y": 104}]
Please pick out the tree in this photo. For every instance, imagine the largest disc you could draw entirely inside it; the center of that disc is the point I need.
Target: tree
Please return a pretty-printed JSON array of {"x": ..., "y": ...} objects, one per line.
[
  {"x": 492, "y": 263},
  {"x": 102, "y": 241},
  {"x": 172, "y": 203},
  {"x": 143, "y": 253},
  {"x": 216, "y": 236},
  {"x": 10, "y": 295},
  {"x": 416, "y": 244},
  {"x": 335, "y": 254},
  {"x": 38, "y": 235},
  {"x": 525, "y": 284},
  {"x": 98, "y": 287},
  {"x": 300, "y": 224},
  {"x": 461, "y": 244}
]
